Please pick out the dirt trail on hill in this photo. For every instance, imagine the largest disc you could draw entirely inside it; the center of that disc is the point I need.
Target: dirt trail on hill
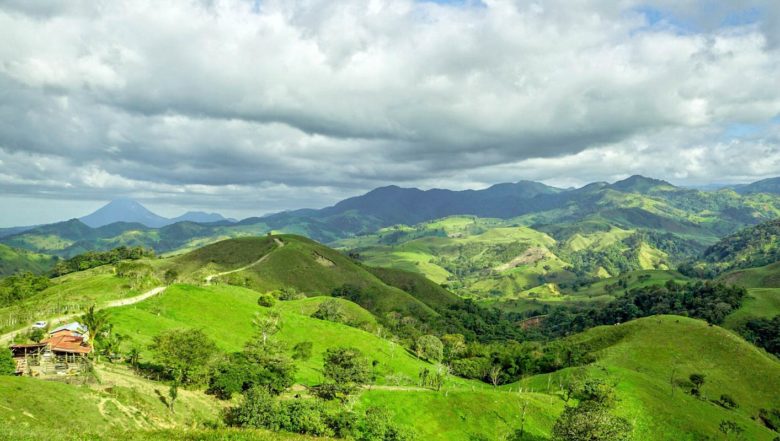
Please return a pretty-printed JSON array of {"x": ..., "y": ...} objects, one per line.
[
  {"x": 112, "y": 304},
  {"x": 209, "y": 278}
]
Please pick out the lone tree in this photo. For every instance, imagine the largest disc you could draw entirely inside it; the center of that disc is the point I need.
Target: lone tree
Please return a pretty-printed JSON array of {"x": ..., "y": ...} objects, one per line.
[
  {"x": 184, "y": 353},
  {"x": 345, "y": 370},
  {"x": 332, "y": 311},
  {"x": 698, "y": 382},
  {"x": 429, "y": 347},
  {"x": 97, "y": 324},
  {"x": 591, "y": 420}
]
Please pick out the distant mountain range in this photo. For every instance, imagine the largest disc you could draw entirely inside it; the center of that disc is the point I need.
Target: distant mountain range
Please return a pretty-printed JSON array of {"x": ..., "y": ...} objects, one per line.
[
  {"x": 128, "y": 210},
  {"x": 696, "y": 218}
]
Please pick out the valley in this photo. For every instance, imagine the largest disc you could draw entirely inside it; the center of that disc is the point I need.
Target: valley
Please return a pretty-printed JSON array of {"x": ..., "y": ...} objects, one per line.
[{"x": 471, "y": 327}]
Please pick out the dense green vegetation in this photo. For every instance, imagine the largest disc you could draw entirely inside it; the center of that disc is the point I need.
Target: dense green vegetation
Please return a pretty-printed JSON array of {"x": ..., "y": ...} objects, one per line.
[{"x": 281, "y": 333}]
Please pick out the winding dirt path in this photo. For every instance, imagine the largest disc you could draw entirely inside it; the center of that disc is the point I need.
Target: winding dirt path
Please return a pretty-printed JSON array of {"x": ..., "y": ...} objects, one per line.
[
  {"x": 112, "y": 304},
  {"x": 209, "y": 278},
  {"x": 139, "y": 298}
]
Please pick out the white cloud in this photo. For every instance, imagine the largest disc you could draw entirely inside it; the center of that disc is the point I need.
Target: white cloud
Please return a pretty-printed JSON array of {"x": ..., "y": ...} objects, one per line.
[{"x": 210, "y": 99}]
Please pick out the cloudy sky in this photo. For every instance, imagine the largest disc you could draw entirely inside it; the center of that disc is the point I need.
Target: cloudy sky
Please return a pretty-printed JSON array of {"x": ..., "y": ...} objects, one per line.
[{"x": 248, "y": 107}]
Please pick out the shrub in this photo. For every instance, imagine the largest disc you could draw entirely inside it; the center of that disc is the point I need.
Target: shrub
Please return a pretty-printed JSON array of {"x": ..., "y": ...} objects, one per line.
[
  {"x": 267, "y": 300},
  {"x": 728, "y": 402},
  {"x": 7, "y": 364},
  {"x": 332, "y": 311},
  {"x": 290, "y": 294}
]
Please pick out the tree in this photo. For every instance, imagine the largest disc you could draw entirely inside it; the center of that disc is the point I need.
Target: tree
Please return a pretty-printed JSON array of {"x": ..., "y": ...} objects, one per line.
[
  {"x": 96, "y": 322},
  {"x": 590, "y": 419},
  {"x": 170, "y": 276},
  {"x": 454, "y": 345},
  {"x": 184, "y": 354},
  {"x": 242, "y": 371},
  {"x": 345, "y": 370},
  {"x": 331, "y": 310},
  {"x": 495, "y": 375},
  {"x": 267, "y": 325},
  {"x": 698, "y": 382},
  {"x": 429, "y": 347},
  {"x": 7, "y": 364}
]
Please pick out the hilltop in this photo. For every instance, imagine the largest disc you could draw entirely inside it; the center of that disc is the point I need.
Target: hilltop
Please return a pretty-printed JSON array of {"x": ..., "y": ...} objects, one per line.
[{"x": 650, "y": 360}]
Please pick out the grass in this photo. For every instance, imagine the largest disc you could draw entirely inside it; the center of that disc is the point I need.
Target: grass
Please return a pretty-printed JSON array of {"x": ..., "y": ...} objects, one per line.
[
  {"x": 225, "y": 313},
  {"x": 760, "y": 277},
  {"x": 315, "y": 269},
  {"x": 72, "y": 293},
  {"x": 760, "y": 302},
  {"x": 13, "y": 260},
  {"x": 644, "y": 355},
  {"x": 121, "y": 406},
  {"x": 461, "y": 415}
]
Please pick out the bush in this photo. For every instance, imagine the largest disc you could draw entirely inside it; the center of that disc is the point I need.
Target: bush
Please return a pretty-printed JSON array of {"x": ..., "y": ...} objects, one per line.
[
  {"x": 332, "y": 311},
  {"x": 267, "y": 300},
  {"x": 290, "y": 294},
  {"x": 311, "y": 417},
  {"x": 770, "y": 418},
  {"x": 728, "y": 402},
  {"x": 7, "y": 364},
  {"x": 377, "y": 425},
  {"x": 240, "y": 372}
]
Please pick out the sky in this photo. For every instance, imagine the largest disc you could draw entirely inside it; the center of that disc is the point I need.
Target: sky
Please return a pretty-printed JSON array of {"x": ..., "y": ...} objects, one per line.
[{"x": 250, "y": 107}]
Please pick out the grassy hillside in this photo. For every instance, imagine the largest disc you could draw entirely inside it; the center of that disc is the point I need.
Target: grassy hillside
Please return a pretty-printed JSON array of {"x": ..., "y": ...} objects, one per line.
[
  {"x": 645, "y": 356},
  {"x": 73, "y": 293},
  {"x": 120, "y": 406},
  {"x": 313, "y": 269},
  {"x": 15, "y": 260},
  {"x": 465, "y": 415},
  {"x": 497, "y": 259},
  {"x": 225, "y": 313}
]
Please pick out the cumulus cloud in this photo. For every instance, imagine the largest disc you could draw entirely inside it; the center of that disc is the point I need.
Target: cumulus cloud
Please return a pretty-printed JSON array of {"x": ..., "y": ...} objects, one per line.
[{"x": 261, "y": 106}]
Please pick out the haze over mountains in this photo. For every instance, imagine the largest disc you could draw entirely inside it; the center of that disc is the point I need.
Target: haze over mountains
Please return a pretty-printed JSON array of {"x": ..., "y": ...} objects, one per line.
[{"x": 128, "y": 210}]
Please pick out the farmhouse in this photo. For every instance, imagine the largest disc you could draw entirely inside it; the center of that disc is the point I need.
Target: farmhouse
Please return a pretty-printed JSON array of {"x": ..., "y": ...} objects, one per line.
[{"x": 62, "y": 353}]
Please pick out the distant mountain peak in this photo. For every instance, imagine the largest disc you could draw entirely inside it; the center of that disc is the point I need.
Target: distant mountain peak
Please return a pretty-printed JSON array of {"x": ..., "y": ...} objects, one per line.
[
  {"x": 123, "y": 210},
  {"x": 639, "y": 184}
]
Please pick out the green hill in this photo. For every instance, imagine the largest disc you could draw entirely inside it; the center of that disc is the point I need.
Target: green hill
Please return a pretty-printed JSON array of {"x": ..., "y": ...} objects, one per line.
[
  {"x": 15, "y": 260},
  {"x": 750, "y": 247},
  {"x": 121, "y": 406},
  {"x": 74, "y": 293},
  {"x": 290, "y": 261},
  {"x": 225, "y": 313},
  {"x": 646, "y": 356}
]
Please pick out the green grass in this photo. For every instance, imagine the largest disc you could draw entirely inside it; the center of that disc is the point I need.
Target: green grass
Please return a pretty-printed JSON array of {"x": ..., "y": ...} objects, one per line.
[
  {"x": 70, "y": 293},
  {"x": 120, "y": 405},
  {"x": 760, "y": 277},
  {"x": 13, "y": 261},
  {"x": 315, "y": 269},
  {"x": 641, "y": 356},
  {"x": 656, "y": 277},
  {"x": 760, "y": 302},
  {"x": 225, "y": 314},
  {"x": 354, "y": 314},
  {"x": 459, "y": 415}
]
